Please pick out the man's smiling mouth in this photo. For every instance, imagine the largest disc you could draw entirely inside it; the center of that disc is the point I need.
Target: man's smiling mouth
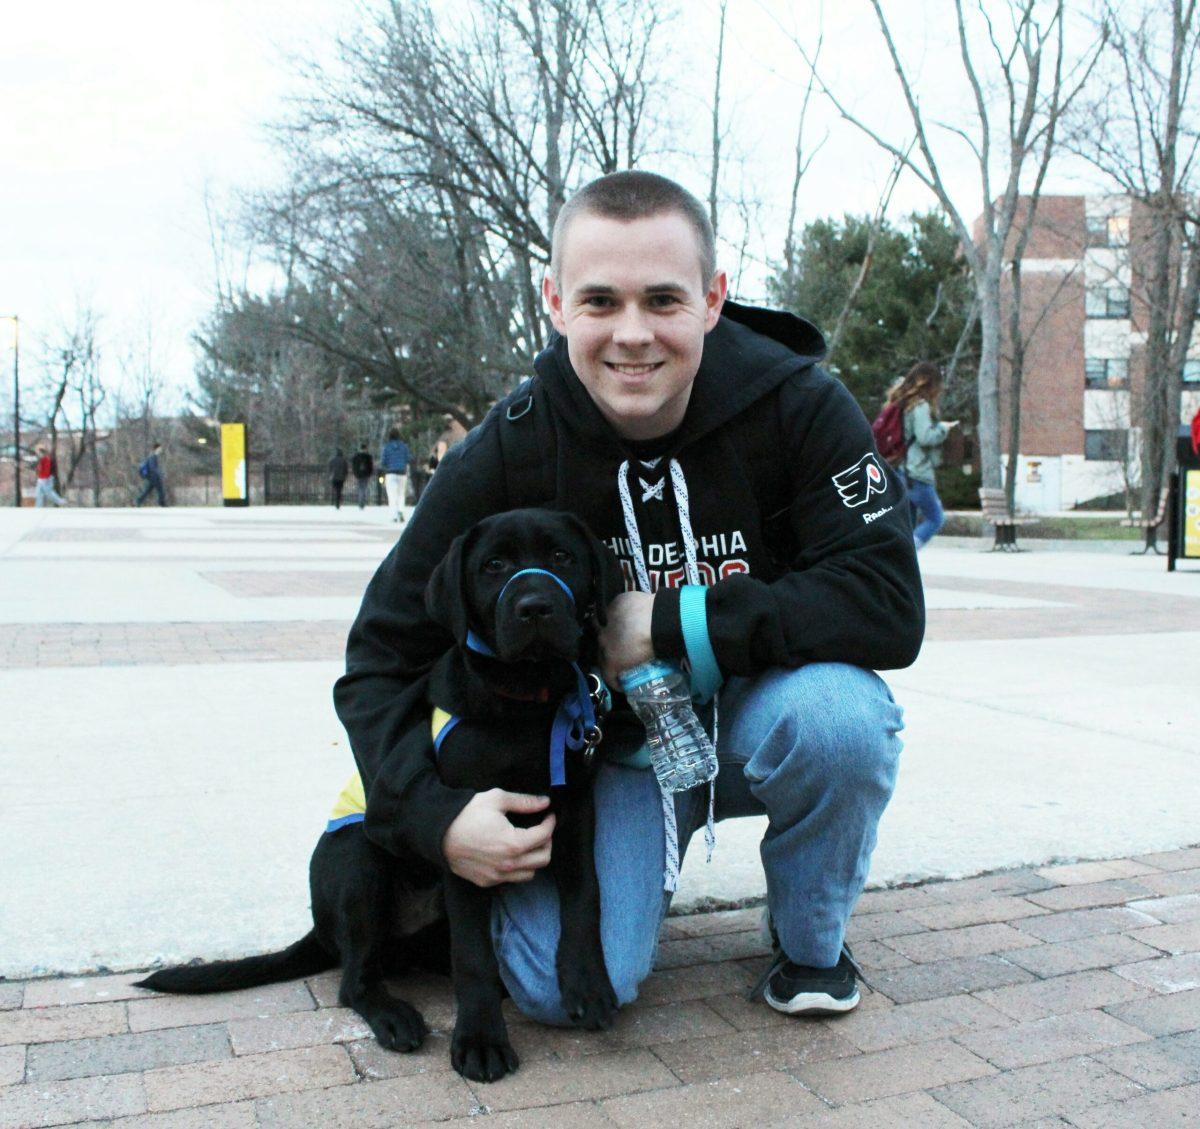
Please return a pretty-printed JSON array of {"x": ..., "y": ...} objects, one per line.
[{"x": 634, "y": 370}]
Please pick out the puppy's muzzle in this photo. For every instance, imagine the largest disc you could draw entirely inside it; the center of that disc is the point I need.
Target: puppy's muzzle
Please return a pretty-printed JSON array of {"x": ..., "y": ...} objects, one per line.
[{"x": 535, "y": 620}]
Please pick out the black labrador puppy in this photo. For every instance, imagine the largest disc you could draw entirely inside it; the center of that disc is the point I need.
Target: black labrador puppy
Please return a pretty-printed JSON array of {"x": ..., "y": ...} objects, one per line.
[{"x": 522, "y": 592}]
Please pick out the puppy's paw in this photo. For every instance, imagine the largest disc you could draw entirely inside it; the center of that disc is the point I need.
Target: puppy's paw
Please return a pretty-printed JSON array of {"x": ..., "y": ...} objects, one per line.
[
  {"x": 482, "y": 1057},
  {"x": 397, "y": 1027},
  {"x": 588, "y": 997}
]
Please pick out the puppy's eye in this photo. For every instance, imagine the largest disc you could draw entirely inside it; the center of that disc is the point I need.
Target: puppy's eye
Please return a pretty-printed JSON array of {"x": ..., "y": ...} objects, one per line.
[
  {"x": 494, "y": 565},
  {"x": 562, "y": 557}
]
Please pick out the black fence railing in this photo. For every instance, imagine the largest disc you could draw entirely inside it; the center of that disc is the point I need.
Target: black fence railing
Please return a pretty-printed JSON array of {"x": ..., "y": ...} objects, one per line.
[{"x": 293, "y": 484}]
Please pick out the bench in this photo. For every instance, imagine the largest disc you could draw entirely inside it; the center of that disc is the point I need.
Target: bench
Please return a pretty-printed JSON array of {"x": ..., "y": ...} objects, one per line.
[
  {"x": 994, "y": 507},
  {"x": 1149, "y": 526}
]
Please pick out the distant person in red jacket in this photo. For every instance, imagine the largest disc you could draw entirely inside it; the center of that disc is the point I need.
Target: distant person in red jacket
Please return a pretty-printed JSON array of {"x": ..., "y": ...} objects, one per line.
[
  {"x": 46, "y": 471},
  {"x": 1196, "y": 433}
]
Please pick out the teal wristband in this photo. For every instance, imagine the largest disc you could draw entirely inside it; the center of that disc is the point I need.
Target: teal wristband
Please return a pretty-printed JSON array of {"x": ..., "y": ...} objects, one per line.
[{"x": 693, "y": 622}]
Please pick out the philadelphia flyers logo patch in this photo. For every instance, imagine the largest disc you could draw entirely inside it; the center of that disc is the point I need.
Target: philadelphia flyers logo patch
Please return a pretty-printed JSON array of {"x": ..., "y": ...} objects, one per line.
[{"x": 857, "y": 483}]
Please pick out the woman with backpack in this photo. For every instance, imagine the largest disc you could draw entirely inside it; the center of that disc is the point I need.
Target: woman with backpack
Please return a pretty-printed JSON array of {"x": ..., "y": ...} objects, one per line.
[{"x": 917, "y": 395}]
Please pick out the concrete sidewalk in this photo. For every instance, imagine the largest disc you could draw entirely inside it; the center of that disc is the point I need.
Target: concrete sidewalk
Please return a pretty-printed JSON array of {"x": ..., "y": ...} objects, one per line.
[{"x": 172, "y": 751}]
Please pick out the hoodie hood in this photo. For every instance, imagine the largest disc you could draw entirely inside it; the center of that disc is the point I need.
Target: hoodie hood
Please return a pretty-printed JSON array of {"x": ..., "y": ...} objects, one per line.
[{"x": 746, "y": 355}]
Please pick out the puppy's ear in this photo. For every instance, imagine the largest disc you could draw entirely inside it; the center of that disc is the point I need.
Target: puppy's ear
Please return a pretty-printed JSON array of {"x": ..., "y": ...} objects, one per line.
[
  {"x": 446, "y": 598},
  {"x": 605, "y": 569},
  {"x": 610, "y": 581}
]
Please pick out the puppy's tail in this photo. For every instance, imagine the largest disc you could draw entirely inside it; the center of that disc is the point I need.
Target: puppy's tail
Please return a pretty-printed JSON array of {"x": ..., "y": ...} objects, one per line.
[{"x": 305, "y": 957}]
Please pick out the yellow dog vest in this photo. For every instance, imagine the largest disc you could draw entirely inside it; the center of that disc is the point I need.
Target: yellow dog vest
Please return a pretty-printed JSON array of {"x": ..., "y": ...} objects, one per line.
[{"x": 351, "y": 804}]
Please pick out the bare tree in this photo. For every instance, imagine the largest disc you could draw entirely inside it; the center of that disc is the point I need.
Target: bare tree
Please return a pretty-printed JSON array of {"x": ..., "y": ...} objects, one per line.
[
  {"x": 1142, "y": 130},
  {"x": 876, "y": 226},
  {"x": 144, "y": 378},
  {"x": 74, "y": 392},
  {"x": 487, "y": 124},
  {"x": 1020, "y": 335},
  {"x": 429, "y": 165},
  {"x": 715, "y": 165},
  {"x": 1016, "y": 137},
  {"x": 804, "y": 158}
]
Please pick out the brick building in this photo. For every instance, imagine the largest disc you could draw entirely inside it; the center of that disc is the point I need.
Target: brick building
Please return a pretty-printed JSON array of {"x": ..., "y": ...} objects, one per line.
[{"x": 1084, "y": 320}]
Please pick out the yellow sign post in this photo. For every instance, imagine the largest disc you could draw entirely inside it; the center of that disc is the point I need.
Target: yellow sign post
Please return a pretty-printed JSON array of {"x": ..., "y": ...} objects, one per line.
[
  {"x": 1190, "y": 504},
  {"x": 235, "y": 488}
]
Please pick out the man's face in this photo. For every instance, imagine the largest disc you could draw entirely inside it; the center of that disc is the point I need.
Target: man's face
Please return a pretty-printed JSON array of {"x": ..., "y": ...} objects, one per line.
[{"x": 634, "y": 309}]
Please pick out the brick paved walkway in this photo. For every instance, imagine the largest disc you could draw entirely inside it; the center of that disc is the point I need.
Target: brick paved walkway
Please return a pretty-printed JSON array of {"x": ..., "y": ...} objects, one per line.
[
  {"x": 1085, "y": 611},
  {"x": 1065, "y": 995},
  {"x": 26, "y": 645}
]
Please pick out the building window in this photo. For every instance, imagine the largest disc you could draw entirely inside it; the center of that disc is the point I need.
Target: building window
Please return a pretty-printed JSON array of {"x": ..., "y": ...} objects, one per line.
[
  {"x": 1110, "y": 372},
  {"x": 1107, "y": 302},
  {"x": 1191, "y": 372},
  {"x": 1105, "y": 446},
  {"x": 1108, "y": 231}
]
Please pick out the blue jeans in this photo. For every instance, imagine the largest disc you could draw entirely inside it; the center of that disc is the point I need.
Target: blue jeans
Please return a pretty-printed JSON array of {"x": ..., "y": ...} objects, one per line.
[
  {"x": 925, "y": 501},
  {"x": 815, "y": 749}
]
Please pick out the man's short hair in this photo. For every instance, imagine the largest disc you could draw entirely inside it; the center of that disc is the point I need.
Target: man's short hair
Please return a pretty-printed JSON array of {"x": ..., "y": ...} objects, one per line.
[{"x": 636, "y": 195}]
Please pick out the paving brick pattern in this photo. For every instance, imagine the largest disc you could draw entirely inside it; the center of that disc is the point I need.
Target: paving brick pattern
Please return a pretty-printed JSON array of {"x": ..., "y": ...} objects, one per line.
[
  {"x": 1087, "y": 612},
  {"x": 26, "y": 645},
  {"x": 282, "y": 582},
  {"x": 1029, "y": 997}
]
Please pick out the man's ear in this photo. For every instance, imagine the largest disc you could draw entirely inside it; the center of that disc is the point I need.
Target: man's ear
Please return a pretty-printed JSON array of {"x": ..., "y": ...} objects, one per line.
[
  {"x": 714, "y": 299},
  {"x": 554, "y": 304},
  {"x": 445, "y": 594}
]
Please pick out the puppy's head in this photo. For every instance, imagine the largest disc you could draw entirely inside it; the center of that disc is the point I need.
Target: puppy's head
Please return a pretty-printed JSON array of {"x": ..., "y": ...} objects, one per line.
[{"x": 528, "y": 583}]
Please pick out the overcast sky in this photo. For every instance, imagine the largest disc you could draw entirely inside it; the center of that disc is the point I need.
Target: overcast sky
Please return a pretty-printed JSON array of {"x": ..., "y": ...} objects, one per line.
[{"x": 116, "y": 121}]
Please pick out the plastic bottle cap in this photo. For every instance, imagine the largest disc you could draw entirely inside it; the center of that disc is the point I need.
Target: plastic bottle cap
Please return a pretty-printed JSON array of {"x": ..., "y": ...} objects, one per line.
[{"x": 645, "y": 672}]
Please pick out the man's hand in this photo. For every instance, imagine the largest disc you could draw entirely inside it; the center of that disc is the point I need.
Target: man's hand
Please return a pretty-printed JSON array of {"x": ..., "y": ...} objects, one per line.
[
  {"x": 625, "y": 639},
  {"x": 483, "y": 847}
]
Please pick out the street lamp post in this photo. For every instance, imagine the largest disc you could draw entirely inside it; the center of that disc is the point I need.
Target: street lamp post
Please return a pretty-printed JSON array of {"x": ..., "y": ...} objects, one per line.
[
  {"x": 202, "y": 442},
  {"x": 16, "y": 406}
]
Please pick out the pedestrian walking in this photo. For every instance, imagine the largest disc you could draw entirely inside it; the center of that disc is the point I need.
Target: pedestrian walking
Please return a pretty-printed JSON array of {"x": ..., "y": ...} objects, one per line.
[
  {"x": 393, "y": 460},
  {"x": 47, "y": 471},
  {"x": 362, "y": 466},
  {"x": 151, "y": 471},
  {"x": 338, "y": 469},
  {"x": 917, "y": 395}
]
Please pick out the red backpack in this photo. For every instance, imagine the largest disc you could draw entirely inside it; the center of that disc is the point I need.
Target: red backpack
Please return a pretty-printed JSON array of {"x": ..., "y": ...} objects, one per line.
[{"x": 888, "y": 430}]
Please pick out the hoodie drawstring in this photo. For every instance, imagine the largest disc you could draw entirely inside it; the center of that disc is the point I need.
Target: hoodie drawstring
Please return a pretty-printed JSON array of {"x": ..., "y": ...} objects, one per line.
[{"x": 692, "y": 572}]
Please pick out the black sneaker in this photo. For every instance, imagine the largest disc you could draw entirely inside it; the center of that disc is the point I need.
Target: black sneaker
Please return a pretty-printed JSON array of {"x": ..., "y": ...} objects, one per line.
[{"x": 797, "y": 989}]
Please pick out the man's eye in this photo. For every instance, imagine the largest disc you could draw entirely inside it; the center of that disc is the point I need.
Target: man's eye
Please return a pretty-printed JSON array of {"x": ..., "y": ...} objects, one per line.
[
  {"x": 494, "y": 565},
  {"x": 661, "y": 301},
  {"x": 562, "y": 557},
  {"x": 598, "y": 301}
]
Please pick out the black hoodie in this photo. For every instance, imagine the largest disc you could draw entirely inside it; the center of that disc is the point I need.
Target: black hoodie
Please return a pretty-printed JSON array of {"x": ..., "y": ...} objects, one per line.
[{"x": 801, "y": 531}]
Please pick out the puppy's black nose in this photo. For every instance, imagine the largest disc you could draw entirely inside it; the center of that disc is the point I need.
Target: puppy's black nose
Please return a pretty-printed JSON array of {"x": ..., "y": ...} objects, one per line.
[{"x": 533, "y": 606}]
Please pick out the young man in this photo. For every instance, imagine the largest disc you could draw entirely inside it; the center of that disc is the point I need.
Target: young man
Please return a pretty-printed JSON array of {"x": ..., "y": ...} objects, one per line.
[
  {"x": 152, "y": 472},
  {"x": 393, "y": 459},
  {"x": 762, "y": 540},
  {"x": 362, "y": 466},
  {"x": 338, "y": 469}
]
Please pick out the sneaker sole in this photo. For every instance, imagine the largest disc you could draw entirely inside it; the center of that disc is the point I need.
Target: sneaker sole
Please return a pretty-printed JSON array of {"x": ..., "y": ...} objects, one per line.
[{"x": 813, "y": 1003}]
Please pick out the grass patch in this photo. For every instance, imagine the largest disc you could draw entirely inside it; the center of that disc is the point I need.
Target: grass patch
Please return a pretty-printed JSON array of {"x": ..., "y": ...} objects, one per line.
[{"x": 1049, "y": 529}]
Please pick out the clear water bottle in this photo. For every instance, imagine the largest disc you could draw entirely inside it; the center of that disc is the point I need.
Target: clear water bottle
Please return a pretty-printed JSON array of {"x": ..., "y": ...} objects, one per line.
[{"x": 680, "y": 749}]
